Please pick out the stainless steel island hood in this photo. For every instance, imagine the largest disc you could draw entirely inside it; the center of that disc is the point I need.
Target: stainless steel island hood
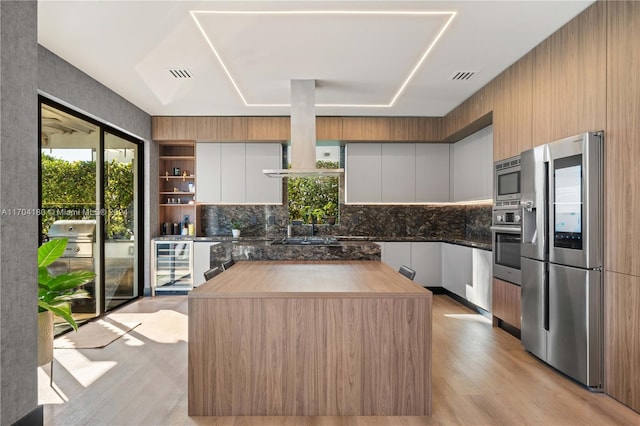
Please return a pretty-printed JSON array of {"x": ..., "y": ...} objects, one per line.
[{"x": 303, "y": 134}]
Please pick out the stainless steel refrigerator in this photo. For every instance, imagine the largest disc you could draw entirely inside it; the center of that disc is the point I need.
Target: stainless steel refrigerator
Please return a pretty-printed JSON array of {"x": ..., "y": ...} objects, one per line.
[{"x": 562, "y": 255}]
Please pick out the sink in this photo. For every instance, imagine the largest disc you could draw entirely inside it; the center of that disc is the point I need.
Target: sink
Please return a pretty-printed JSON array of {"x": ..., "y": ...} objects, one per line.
[{"x": 306, "y": 241}]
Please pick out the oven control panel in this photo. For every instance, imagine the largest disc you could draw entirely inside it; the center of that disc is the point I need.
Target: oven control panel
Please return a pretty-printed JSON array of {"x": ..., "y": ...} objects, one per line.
[{"x": 507, "y": 216}]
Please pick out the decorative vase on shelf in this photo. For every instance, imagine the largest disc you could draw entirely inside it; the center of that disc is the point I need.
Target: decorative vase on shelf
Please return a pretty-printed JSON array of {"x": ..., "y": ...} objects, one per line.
[{"x": 235, "y": 233}]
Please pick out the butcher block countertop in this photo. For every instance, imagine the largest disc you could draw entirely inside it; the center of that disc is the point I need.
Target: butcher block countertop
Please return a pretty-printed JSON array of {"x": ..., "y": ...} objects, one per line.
[
  {"x": 309, "y": 338},
  {"x": 317, "y": 279}
]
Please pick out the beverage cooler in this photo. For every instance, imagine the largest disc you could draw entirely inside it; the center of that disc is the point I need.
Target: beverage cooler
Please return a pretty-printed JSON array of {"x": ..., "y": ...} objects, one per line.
[{"x": 172, "y": 266}]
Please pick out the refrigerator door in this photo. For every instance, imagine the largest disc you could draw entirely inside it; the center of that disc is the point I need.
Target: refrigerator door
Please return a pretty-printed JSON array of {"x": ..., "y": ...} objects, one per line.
[
  {"x": 575, "y": 332},
  {"x": 534, "y": 203},
  {"x": 532, "y": 333},
  {"x": 576, "y": 200}
]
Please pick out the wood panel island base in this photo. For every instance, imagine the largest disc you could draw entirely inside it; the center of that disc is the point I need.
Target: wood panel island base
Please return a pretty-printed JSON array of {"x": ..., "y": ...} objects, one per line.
[{"x": 287, "y": 338}]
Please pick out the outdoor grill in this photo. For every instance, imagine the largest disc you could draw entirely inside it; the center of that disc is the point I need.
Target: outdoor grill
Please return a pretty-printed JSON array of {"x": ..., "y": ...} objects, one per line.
[
  {"x": 81, "y": 236},
  {"x": 78, "y": 255}
]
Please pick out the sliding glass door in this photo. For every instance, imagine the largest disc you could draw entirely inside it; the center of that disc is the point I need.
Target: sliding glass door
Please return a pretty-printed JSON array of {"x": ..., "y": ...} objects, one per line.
[
  {"x": 90, "y": 184},
  {"x": 121, "y": 220}
]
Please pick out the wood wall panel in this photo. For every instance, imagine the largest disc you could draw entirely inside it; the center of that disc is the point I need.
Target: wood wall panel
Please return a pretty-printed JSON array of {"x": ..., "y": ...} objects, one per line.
[
  {"x": 506, "y": 302},
  {"x": 469, "y": 112},
  {"x": 268, "y": 128},
  {"x": 513, "y": 109},
  {"x": 542, "y": 106},
  {"x": 622, "y": 201},
  {"x": 329, "y": 128},
  {"x": 173, "y": 128},
  {"x": 415, "y": 128},
  {"x": 366, "y": 128},
  {"x": 222, "y": 129},
  {"x": 591, "y": 69},
  {"x": 242, "y": 129},
  {"x": 622, "y": 338},
  {"x": 622, "y": 139},
  {"x": 569, "y": 80}
]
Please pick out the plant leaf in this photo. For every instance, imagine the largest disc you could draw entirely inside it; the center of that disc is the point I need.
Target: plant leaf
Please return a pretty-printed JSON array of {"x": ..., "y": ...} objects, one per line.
[
  {"x": 50, "y": 251},
  {"x": 70, "y": 280},
  {"x": 43, "y": 275}
]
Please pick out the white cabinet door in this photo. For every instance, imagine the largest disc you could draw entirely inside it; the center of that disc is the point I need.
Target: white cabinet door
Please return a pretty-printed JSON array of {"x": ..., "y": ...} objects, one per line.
[
  {"x": 480, "y": 292},
  {"x": 260, "y": 188},
  {"x": 233, "y": 173},
  {"x": 472, "y": 166},
  {"x": 396, "y": 254},
  {"x": 432, "y": 172},
  {"x": 398, "y": 172},
  {"x": 457, "y": 270},
  {"x": 426, "y": 260},
  {"x": 208, "y": 181},
  {"x": 363, "y": 173},
  {"x": 201, "y": 260}
]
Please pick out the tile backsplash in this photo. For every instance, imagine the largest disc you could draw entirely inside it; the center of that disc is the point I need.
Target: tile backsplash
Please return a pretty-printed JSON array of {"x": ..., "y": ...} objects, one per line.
[{"x": 464, "y": 222}]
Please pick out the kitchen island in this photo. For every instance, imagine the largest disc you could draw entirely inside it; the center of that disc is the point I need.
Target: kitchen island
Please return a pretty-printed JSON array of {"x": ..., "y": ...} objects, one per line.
[{"x": 314, "y": 338}]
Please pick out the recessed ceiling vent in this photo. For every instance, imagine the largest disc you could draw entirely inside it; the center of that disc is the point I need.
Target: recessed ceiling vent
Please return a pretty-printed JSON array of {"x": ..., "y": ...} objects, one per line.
[
  {"x": 462, "y": 75},
  {"x": 180, "y": 73}
]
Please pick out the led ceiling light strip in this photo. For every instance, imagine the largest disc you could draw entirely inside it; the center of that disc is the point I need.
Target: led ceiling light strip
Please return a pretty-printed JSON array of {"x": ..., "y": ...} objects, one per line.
[{"x": 324, "y": 12}]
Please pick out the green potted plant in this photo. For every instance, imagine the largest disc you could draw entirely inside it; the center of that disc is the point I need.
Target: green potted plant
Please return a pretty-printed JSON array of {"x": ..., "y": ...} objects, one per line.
[
  {"x": 55, "y": 294},
  {"x": 235, "y": 228},
  {"x": 330, "y": 210},
  {"x": 318, "y": 214}
]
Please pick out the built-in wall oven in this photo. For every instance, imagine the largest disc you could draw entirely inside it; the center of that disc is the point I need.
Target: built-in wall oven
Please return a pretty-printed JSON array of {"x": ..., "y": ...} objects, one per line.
[
  {"x": 507, "y": 237},
  {"x": 506, "y": 182},
  {"x": 506, "y": 229}
]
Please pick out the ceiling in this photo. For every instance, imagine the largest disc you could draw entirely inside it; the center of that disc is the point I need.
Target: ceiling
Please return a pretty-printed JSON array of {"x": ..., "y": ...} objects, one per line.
[{"x": 377, "y": 58}]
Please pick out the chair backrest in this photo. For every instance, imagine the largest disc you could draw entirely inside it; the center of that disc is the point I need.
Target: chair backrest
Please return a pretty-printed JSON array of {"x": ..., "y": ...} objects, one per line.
[
  {"x": 212, "y": 273},
  {"x": 407, "y": 272},
  {"x": 228, "y": 264}
]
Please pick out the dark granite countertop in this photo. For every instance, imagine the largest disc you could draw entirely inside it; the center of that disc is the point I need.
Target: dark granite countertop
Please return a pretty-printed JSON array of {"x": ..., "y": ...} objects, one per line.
[
  {"x": 486, "y": 245},
  {"x": 260, "y": 249},
  {"x": 351, "y": 239}
]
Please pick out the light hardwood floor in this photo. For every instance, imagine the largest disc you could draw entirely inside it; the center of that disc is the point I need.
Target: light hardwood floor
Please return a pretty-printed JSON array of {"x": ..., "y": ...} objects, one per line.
[{"x": 481, "y": 376}]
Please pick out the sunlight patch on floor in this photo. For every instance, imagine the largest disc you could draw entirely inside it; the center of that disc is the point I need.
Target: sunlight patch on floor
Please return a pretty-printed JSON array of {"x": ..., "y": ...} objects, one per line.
[
  {"x": 82, "y": 369},
  {"x": 163, "y": 326},
  {"x": 470, "y": 317}
]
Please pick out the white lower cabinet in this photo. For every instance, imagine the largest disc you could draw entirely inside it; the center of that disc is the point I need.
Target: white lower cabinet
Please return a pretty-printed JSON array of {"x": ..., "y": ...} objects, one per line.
[
  {"x": 464, "y": 271},
  {"x": 201, "y": 260},
  {"x": 396, "y": 254},
  {"x": 467, "y": 272},
  {"x": 456, "y": 268},
  {"x": 426, "y": 261},
  {"x": 480, "y": 293},
  {"x": 424, "y": 258}
]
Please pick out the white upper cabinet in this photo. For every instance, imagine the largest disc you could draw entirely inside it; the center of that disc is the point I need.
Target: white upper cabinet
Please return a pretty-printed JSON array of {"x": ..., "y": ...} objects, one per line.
[
  {"x": 208, "y": 182},
  {"x": 397, "y": 173},
  {"x": 432, "y": 172},
  {"x": 363, "y": 173},
  {"x": 232, "y": 173},
  {"x": 472, "y": 165},
  {"x": 260, "y": 188}
]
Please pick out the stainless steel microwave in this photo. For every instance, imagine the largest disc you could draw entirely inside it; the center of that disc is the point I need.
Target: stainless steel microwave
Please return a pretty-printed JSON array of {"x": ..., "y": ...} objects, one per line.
[{"x": 506, "y": 182}]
